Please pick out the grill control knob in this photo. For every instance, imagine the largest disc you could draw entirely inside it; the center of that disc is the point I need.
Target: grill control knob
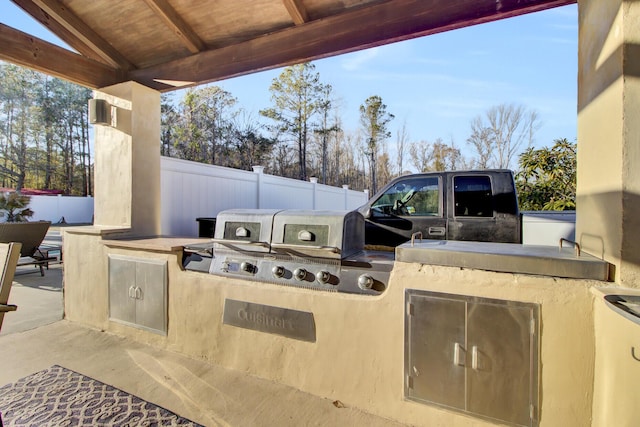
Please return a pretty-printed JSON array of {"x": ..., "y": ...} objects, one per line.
[
  {"x": 365, "y": 282},
  {"x": 300, "y": 274},
  {"x": 323, "y": 276},
  {"x": 246, "y": 266},
  {"x": 278, "y": 271}
]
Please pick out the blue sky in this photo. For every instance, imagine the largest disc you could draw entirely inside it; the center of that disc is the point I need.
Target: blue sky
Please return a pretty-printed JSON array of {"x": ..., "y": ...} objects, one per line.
[{"x": 438, "y": 84}]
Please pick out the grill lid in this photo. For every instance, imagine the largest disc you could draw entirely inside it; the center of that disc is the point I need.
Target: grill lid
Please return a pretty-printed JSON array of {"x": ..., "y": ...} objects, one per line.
[
  {"x": 244, "y": 229},
  {"x": 324, "y": 234}
]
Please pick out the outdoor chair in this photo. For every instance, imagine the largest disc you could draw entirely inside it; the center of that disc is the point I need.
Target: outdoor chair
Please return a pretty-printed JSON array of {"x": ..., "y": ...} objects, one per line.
[
  {"x": 9, "y": 255},
  {"x": 30, "y": 235}
]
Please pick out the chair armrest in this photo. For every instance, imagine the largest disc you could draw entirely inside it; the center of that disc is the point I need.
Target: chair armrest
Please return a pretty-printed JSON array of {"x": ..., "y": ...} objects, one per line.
[{"x": 7, "y": 307}]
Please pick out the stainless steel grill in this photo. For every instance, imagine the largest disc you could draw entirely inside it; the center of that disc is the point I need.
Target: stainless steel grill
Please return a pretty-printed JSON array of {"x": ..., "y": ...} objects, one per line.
[{"x": 313, "y": 249}]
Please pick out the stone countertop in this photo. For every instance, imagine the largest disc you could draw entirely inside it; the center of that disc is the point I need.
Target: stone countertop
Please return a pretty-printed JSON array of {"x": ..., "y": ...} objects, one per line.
[
  {"x": 154, "y": 243},
  {"x": 506, "y": 257}
]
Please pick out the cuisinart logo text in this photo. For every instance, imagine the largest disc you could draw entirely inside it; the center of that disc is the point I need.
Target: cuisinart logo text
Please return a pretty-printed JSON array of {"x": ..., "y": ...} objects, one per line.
[
  {"x": 265, "y": 319},
  {"x": 274, "y": 320}
]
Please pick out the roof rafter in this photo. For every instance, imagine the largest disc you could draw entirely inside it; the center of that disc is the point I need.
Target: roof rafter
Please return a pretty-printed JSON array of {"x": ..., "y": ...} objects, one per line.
[
  {"x": 375, "y": 23},
  {"x": 297, "y": 11},
  {"x": 400, "y": 19},
  {"x": 24, "y": 49},
  {"x": 82, "y": 34},
  {"x": 184, "y": 32},
  {"x": 41, "y": 16}
]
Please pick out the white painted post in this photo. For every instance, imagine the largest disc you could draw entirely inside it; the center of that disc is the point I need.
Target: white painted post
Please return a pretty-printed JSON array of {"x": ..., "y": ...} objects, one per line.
[
  {"x": 260, "y": 171},
  {"x": 314, "y": 188},
  {"x": 346, "y": 196}
]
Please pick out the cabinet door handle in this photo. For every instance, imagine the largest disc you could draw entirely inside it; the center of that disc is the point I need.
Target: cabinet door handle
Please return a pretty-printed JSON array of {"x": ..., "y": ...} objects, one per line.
[
  {"x": 474, "y": 357},
  {"x": 132, "y": 292},
  {"x": 138, "y": 294},
  {"x": 458, "y": 354}
]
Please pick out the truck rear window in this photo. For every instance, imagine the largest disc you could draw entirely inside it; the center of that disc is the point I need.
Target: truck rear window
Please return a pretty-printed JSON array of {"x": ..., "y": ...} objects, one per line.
[{"x": 472, "y": 196}]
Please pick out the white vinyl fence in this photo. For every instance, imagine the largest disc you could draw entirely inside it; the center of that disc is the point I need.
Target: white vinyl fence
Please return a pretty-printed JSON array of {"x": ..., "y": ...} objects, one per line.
[
  {"x": 192, "y": 190},
  {"x": 74, "y": 210}
]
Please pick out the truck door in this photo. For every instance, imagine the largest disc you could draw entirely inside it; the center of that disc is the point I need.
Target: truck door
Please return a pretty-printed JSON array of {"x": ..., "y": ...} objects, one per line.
[
  {"x": 410, "y": 205},
  {"x": 476, "y": 211}
]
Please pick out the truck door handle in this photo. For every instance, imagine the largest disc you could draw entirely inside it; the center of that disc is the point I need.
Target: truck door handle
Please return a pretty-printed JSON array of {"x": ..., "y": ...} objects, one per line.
[{"x": 436, "y": 231}]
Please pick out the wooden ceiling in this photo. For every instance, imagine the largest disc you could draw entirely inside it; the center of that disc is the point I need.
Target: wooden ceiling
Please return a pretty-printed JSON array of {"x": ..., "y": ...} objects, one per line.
[{"x": 170, "y": 44}]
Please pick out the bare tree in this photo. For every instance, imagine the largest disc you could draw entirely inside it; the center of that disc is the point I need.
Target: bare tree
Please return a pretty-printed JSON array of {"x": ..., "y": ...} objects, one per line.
[
  {"x": 374, "y": 119},
  {"x": 248, "y": 146},
  {"x": 437, "y": 156},
  {"x": 501, "y": 133},
  {"x": 402, "y": 139},
  {"x": 325, "y": 129}
]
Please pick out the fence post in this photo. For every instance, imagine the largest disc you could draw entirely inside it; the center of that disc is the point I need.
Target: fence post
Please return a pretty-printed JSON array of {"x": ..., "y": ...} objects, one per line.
[
  {"x": 260, "y": 171},
  {"x": 346, "y": 196},
  {"x": 314, "y": 188}
]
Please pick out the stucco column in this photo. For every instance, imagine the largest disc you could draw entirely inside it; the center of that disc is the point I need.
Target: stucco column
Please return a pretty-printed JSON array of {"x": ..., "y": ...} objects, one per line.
[
  {"x": 608, "y": 194},
  {"x": 127, "y": 160}
]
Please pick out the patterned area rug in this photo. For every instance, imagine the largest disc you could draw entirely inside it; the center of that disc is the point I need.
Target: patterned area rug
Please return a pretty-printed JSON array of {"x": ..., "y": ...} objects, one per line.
[{"x": 60, "y": 397}]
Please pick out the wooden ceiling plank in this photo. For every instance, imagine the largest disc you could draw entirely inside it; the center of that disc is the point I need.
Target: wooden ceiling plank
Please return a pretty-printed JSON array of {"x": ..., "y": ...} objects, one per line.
[
  {"x": 297, "y": 11},
  {"x": 81, "y": 31},
  {"x": 173, "y": 20},
  {"x": 23, "y": 49},
  {"x": 387, "y": 22}
]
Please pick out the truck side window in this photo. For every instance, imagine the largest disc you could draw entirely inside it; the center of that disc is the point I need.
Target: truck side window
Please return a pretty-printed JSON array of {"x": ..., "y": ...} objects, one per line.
[
  {"x": 472, "y": 196},
  {"x": 411, "y": 197}
]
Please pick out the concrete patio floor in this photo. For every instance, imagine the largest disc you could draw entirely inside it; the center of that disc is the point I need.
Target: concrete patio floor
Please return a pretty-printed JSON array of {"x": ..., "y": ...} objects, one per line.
[{"x": 36, "y": 337}]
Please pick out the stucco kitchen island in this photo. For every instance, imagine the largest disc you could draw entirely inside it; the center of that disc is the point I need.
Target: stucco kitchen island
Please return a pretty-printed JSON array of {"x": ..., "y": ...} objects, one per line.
[{"x": 360, "y": 353}]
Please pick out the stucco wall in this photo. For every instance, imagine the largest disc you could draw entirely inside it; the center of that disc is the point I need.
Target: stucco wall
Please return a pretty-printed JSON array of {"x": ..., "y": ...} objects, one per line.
[
  {"x": 617, "y": 364},
  {"x": 608, "y": 185},
  {"x": 127, "y": 160},
  {"x": 358, "y": 356}
]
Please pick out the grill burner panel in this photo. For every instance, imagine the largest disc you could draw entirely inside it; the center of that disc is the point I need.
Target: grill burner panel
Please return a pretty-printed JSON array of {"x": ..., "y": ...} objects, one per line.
[
  {"x": 358, "y": 274},
  {"x": 320, "y": 250}
]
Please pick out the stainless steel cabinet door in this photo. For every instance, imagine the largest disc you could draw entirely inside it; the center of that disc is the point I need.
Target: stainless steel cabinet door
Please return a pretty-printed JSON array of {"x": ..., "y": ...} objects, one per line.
[
  {"x": 435, "y": 363},
  {"x": 138, "y": 292},
  {"x": 500, "y": 378},
  {"x": 122, "y": 283},
  {"x": 151, "y": 299},
  {"x": 475, "y": 355}
]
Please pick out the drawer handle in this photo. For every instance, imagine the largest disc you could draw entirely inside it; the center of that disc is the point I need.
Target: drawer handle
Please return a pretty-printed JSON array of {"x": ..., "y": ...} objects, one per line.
[{"x": 633, "y": 354}]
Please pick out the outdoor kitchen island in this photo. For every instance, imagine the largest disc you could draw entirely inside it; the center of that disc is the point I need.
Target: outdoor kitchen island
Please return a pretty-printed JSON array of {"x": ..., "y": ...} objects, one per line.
[{"x": 531, "y": 364}]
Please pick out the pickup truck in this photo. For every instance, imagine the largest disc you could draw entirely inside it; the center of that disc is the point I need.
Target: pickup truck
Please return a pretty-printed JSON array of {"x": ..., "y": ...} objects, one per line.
[{"x": 480, "y": 205}]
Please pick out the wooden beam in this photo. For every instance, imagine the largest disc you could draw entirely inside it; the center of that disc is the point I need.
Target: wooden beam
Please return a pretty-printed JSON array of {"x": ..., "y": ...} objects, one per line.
[
  {"x": 297, "y": 11},
  {"x": 22, "y": 49},
  {"x": 171, "y": 18},
  {"x": 81, "y": 32},
  {"x": 61, "y": 32},
  {"x": 387, "y": 22}
]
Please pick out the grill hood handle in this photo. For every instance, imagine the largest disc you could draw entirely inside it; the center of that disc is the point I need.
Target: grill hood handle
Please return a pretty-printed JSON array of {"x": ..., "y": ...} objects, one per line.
[
  {"x": 227, "y": 242},
  {"x": 331, "y": 249}
]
